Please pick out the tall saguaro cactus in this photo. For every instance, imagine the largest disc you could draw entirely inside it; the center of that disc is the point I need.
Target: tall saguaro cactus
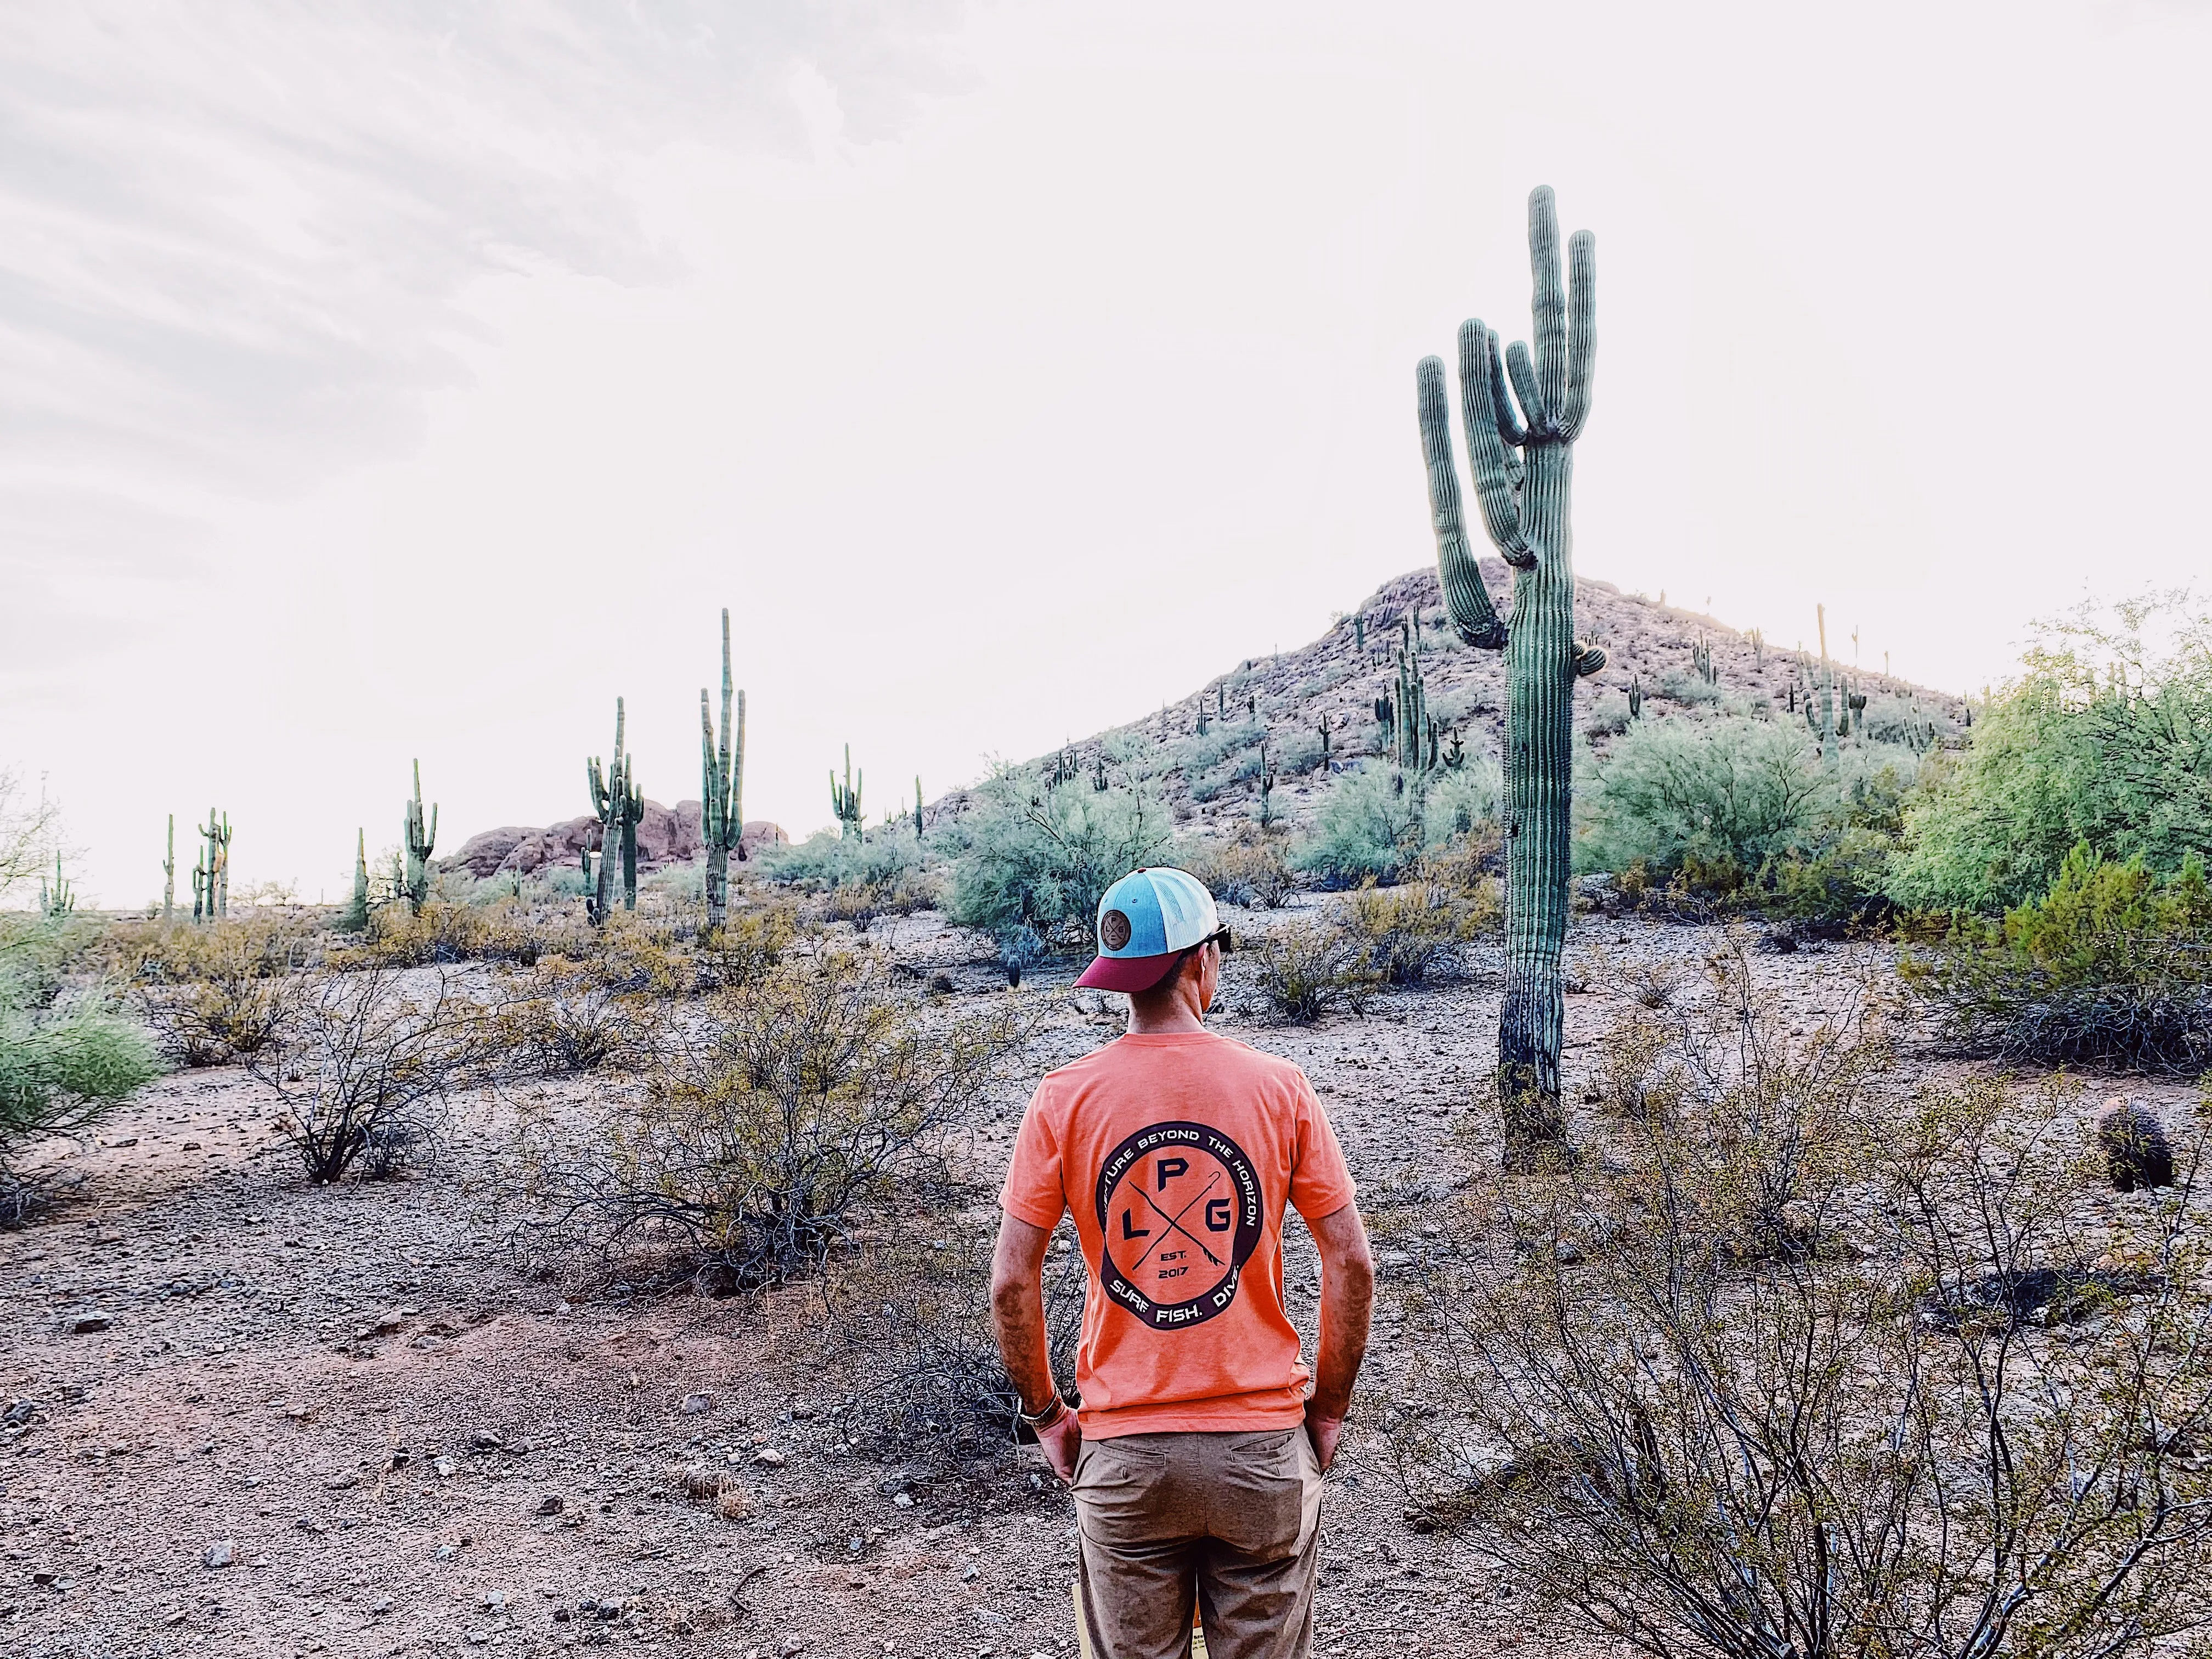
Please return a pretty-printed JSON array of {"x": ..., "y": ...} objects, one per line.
[
  {"x": 619, "y": 806},
  {"x": 419, "y": 835},
  {"x": 845, "y": 798},
  {"x": 355, "y": 918},
  {"x": 722, "y": 788},
  {"x": 1521, "y": 464},
  {"x": 169, "y": 874}
]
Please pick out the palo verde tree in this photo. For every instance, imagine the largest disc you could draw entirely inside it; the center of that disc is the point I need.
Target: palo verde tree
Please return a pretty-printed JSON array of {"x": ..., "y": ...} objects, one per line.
[
  {"x": 721, "y": 787},
  {"x": 1523, "y": 466}
]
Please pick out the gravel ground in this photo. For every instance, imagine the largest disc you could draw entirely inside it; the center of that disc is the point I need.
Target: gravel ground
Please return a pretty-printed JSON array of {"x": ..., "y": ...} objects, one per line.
[{"x": 257, "y": 1418}]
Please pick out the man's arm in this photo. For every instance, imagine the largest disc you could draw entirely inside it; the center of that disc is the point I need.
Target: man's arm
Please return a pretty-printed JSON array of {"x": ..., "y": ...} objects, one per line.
[
  {"x": 1018, "y": 1318},
  {"x": 1347, "y": 1301}
]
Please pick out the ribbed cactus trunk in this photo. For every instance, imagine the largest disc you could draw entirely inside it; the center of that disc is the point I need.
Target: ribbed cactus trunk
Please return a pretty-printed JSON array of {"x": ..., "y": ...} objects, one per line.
[
  {"x": 1540, "y": 757},
  {"x": 1521, "y": 464},
  {"x": 169, "y": 875}
]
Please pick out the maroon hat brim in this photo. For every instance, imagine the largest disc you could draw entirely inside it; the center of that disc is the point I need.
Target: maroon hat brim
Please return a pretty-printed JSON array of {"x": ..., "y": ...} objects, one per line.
[{"x": 1126, "y": 973}]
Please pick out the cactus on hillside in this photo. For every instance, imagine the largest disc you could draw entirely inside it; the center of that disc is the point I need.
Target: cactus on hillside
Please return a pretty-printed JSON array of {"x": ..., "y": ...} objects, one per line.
[
  {"x": 1321, "y": 726},
  {"x": 60, "y": 900},
  {"x": 1267, "y": 787},
  {"x": 1635, "y": 697},
  {"x": 355, "y": 918},
  {"x": 169, "y": 874},
  {"x": 1701, "y": 662},
  {"x": 917, "y": 804},
  {"x": 1412, "y": 732},
  {"x": 1758, "y": 643},
  {"x": 721, "y": 788},
  {"x": 419, "y": 837},
  {"x": 845, "y": 799},
  {"x": 1522, "y": 465},
  {"x": 619, "y": 805},
  {"x": 1359, "y": 632},
  {"x": 1828, "y": 746}
]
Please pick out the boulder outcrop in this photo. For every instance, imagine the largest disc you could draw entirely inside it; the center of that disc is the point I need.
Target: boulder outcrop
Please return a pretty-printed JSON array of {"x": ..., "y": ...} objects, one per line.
[{"x": 667, "y": 834}]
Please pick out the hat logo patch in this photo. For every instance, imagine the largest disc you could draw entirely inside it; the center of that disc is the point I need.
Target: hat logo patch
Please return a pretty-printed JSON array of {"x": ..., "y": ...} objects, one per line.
[{"x": 1113, "y": 930}]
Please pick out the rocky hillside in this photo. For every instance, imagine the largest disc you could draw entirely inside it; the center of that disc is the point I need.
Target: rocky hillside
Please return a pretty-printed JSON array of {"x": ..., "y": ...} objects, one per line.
[
  {"x": 667, "y": 834},
  {"x": 1337, "y": 679}
]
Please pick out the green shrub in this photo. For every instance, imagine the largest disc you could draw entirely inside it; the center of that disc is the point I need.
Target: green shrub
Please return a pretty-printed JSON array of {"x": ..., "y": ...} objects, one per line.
[
  {"x": 1720, "y": 792},
  {"x": 1607, "y": 717},
  {"x": 2113, "y": 966},
  {"x": 827, "y": 861},
  {"x": 2103, "y": 739},
  {"x": 62, "y": 1067},
  {"x": 1250, "y": 872},
  {"x": 1460, "y": 801},
  {"x": 1368, "y": 828},
  {"x": 1304, "y": 966},
  {"x": 1025, "y": 856},
  {"x": 1687, "y": 688},
  {"x": 814, "y": 1096}
]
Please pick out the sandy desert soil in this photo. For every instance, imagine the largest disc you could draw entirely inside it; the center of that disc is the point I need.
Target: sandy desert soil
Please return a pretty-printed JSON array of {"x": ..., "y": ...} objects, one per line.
[{"x": 247, "y": 1416}]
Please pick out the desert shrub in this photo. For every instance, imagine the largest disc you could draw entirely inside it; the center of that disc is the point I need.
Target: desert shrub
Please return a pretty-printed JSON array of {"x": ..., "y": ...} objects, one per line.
[
  {"x": 1899, "y": 1411},
  {"x": 1412, "y": 934},
  {"x": 1251, "y": 870},
  {"x": 214, "y": 993},
  {"x": 1303, "y": 966},
  {"x": 215, "y": 1020},
  {"x": 1738, "y": 792},
  {"x": 2112, "y": 967},
  {"x": 813, "y": 1094},
  {"x": 1368, "y": 828},
  {"x": 2105, "y": 738},
  {"x": 151, "y": 953},
  {"x": 1461, "y": 801},
  {"x": 442, "y": 933},
  {"x": 365, "y": 1062},
  {"x": 750, "y": 941},
  {"x": 1687, "y": 689},
  {"x": 826, "y": 860},
  {"x": 560, "y": 1018},
  {"x": 1605, "y": 717},
  {"x": 1026, "y": 855},
  {"x": 62, "y": 1066},
  {"x": 1892, "y": 719},
  {"x": 1296, "y": 753},
  {"x": 910, "y": 1311},
  {"x": 631, "y": 956}
]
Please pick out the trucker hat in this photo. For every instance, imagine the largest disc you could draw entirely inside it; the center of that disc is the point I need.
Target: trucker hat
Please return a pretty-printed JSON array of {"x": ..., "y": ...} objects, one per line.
[{"x": 1146, "y": 921}]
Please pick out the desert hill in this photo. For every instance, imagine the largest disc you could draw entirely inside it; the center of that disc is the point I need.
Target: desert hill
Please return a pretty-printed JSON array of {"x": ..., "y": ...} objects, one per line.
[
  {"x": 1213, "y": 776},
  {"x": 1337, "y": 678}
]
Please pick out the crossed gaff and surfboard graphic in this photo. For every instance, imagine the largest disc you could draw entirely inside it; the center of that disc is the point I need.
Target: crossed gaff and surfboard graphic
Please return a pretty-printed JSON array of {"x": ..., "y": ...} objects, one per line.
[{"x": 1179, "y": 1213}]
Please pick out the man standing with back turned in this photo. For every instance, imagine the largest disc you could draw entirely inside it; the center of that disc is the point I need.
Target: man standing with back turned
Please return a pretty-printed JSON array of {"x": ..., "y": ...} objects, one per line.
[{"x": 1196, "y": 1459}]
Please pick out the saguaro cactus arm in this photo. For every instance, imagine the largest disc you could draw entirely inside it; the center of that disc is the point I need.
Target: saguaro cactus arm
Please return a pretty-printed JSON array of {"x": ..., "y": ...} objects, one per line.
[{"x": 1473, "y": 618}]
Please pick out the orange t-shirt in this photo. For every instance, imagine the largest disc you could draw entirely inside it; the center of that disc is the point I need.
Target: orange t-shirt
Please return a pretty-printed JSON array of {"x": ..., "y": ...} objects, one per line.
[{"x": 1177, "y": 1151}]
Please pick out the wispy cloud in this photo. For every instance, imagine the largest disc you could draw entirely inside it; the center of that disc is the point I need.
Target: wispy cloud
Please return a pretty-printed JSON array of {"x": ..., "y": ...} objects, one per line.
[{"x": 235, "y": 235}]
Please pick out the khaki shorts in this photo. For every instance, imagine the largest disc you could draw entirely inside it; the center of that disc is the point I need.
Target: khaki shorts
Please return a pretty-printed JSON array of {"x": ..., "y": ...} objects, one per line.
[{"x": 1227, "y": 1524}]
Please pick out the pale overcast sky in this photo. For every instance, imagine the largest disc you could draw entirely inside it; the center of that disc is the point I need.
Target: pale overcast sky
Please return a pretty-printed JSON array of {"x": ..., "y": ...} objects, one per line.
[{"x": 409, "y": 380}]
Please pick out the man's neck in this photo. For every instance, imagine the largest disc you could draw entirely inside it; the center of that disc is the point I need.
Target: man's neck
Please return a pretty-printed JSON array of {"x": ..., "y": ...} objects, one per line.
[{"x": 1165, "y": 1016}]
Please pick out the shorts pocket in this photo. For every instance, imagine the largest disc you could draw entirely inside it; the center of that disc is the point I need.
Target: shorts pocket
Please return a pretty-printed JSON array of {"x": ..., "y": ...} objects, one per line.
[{"x": 1265, "y": 1481}]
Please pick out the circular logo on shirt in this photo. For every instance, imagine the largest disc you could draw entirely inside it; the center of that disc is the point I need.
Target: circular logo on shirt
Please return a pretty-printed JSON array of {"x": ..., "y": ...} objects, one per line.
[
  {"x": 1113, "y": 930},
  {"x": 1179, "y": 1209}
]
